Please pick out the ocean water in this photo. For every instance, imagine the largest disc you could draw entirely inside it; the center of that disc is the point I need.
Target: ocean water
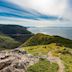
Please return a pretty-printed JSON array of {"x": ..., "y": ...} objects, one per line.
[{"x": 65, "y": 32}]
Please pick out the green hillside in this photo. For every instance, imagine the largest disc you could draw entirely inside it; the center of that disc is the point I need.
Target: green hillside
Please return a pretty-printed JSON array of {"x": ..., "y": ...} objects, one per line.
[
  {"x": 17, "y": 32},
  {"x": 7, "y": 42},
  {"x": 43, "y": 49},
  {"x": 43, "y": 66},
  {"x": 64, "y": 53},
  {"x": 42, "y": 39}
]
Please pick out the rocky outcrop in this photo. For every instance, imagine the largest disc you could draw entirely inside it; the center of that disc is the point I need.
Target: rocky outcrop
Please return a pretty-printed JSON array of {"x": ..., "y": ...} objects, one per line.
[{"x": 16, "y": 61}]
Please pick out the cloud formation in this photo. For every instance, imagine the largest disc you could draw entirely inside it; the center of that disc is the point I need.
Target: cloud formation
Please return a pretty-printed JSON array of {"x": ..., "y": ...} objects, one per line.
[
  {"x": 37, "y": 12},
  {"x": 8, "y": 9}
]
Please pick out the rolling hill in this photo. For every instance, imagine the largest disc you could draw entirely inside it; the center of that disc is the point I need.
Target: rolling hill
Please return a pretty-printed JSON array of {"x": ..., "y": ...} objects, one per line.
[
  {"x": 42, "y": 45},
  {"x": 61, "y": 52},
  {"x": 19, "y": 33},
  {"x": 42, "y": 39},
  {"x": 7, "y": 42}
]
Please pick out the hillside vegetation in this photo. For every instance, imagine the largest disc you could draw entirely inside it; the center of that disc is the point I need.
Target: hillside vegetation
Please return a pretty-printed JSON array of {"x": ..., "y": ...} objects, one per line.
[
  {"x": 7, "y": 42},
  {"x": 66, "y": 56},
  {"x": 64, "y": 53},
  {"x": 17, "y": 32},
  {"x": 40, "y": 49},
  {"x": 43, "y": 66},
  {"x": 41, "y": 44},
  {"x": 42, "y": 39}
]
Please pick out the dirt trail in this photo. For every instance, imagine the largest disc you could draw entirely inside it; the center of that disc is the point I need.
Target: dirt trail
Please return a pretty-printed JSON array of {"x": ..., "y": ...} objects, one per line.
[{"x": 57, "y": 60}]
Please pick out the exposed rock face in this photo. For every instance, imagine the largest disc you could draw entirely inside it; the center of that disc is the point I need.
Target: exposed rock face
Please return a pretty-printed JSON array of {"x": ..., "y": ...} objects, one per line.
[{"x": 16, "y": 61}]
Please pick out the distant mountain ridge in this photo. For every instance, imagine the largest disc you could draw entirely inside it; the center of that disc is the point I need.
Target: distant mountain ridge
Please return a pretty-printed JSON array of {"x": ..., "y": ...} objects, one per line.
[
  {"x": 17, "y": 32},
  {"x": 13, "y": 29}
]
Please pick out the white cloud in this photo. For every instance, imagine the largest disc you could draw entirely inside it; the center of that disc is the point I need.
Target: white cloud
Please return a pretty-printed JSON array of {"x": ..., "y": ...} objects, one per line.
[
  {"x": 50, "y": 7},
  {"x": 42, "y": 23},
  {"x": 53, "y": 7}
]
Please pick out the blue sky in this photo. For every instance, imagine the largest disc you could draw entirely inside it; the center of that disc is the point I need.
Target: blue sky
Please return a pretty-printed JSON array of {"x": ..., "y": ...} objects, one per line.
[{"x": 39, "y": 13}]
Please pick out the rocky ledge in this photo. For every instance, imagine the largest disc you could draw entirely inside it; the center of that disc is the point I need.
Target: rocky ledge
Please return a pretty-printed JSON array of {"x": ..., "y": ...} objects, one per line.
[{"x": 16, "y": 61}]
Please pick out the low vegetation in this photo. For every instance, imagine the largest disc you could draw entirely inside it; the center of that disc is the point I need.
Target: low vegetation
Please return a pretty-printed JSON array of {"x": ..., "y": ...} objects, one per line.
[
  {"x": 64, "y": 53},
  {"x": 7, "y": 42},
  {"x": 42, "y": 39},
  {"x": 43, "y": 66},
  {"x": 66, "y": 56},
  {"x": 40, "y": 49}
]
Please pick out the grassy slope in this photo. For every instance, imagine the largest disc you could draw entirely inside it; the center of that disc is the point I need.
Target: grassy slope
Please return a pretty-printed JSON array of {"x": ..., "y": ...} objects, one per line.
[
  {"x": 67, "y": 59},
  {"x": 66, "y": 55},
  {"x": 42, "y": 39},
  {"x": 60, "y": 51},
  {"x": 43, "y": 66},
  {"x": 40, "y": 49},
  {"x": 7, "y": 42}
]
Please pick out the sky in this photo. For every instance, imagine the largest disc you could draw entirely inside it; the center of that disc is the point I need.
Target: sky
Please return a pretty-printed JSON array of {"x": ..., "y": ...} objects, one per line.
[{"x": 38, "y": 13}]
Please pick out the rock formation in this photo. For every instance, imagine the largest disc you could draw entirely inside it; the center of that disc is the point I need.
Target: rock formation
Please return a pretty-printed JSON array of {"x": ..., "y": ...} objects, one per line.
[{"x": 15, "y": 61}]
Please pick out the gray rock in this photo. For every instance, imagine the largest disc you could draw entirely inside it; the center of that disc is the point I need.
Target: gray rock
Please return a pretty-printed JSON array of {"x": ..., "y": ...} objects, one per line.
[
  {"x": 4, "y": 64},
  {"x": 15, "y": 61}
]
